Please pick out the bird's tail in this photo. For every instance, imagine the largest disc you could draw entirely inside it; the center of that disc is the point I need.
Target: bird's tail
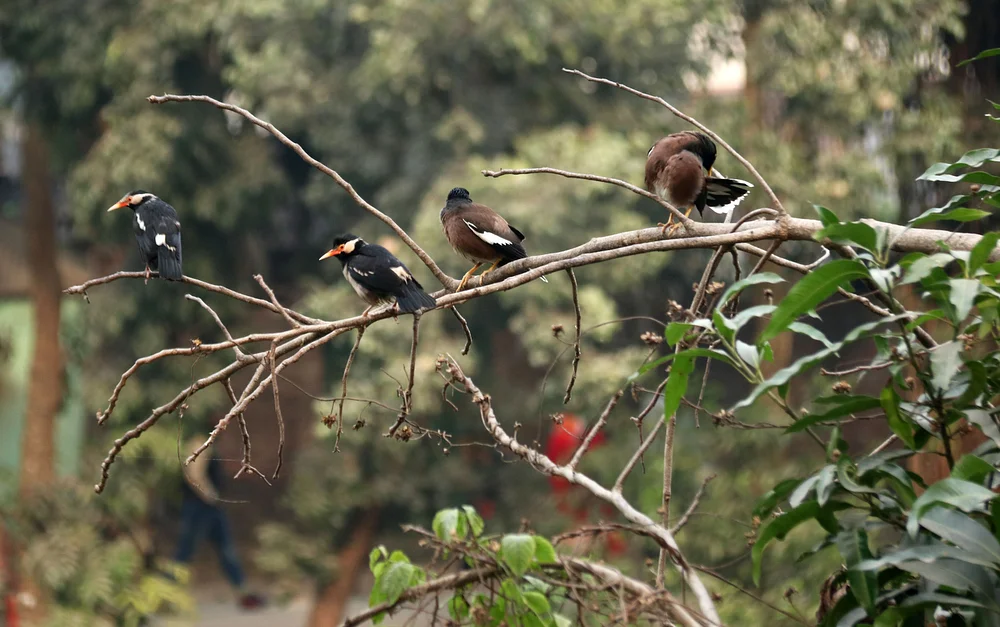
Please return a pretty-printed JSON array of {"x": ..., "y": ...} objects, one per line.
[
  {"x": 414, "y": 298},
  {"x": 169, "y": 263}
]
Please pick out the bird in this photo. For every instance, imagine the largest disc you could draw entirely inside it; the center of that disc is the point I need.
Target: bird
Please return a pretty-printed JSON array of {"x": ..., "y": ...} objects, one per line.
[
  {"x": 157, "y": 231},
  {"x": 377, "y": 276},
  {"x": 680, "y": 169},
  {"x": 479, "y": 234}
]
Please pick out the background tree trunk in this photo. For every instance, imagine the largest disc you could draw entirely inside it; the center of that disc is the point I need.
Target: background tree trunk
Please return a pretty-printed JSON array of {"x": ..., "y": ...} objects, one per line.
[
  {"x": 45, "y": 387},
  {"x": 329, "y": 608}
]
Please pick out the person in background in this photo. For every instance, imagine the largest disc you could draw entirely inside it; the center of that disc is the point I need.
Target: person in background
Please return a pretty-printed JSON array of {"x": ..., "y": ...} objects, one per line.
[{"x": 202, "y": 515}]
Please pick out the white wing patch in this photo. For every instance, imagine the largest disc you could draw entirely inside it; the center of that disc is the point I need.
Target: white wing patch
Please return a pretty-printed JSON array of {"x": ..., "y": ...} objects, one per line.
[
  {"x": 486, "y": 236},
  {"x": 138, "y": 221},
  {"x": 361, "y": 272},
  {"x": 161, "y": 240},
  {"x": 401, "y": 272}
]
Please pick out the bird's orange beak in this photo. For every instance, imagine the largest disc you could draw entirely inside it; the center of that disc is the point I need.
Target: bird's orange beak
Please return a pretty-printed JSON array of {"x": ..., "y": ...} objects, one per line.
[
  {"x": 121, "y": 203},
  {"x": 333, "y": 252}
]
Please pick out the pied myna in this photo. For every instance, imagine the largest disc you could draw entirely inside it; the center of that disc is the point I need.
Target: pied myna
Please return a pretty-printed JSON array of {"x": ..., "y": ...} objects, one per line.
[
  {"x": 157, "y": 231},
  {"x": 479, "y": 234},
  {"x": 679, "y": 169},
  {"x": 377, "y": 276}
]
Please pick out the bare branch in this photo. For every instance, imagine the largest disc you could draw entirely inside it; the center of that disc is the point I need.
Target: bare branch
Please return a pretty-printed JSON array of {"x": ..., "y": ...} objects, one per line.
[
  {"x": 277, "y": 409},
  {"x": 644, "y": 446},
  {"x": 576, "y": 344},
  {"x": 545, "y": 465},
  {"x": 211, "y": 287}
]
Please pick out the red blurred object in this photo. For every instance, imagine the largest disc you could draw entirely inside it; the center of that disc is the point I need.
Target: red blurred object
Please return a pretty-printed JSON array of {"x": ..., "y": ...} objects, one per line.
[
  {"x": 564, "y": 439},
  {"x": 10, "y": 611}
]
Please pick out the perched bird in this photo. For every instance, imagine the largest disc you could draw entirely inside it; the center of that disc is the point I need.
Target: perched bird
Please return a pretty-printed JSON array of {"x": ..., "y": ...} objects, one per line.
[
  {"x": 679, "y": 169},
  {"x": 479, "y": 234},
  {"x": 377, "y": 276},
  {"x": 157, "y": 231}
]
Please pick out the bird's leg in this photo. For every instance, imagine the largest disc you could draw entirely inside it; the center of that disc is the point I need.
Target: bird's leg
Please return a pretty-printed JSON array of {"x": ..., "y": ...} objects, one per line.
[
  {"x": 364, "y": 314},
  {"x": 492, "y": 268},
  {"x": 679, "y": 224},
  {"x": 664, "y": 226},
  {"x": 465, "y": 279},
  {"x": 146, "y": 281}
]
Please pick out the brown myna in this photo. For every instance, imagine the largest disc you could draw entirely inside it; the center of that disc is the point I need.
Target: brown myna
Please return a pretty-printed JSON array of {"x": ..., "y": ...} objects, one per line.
[
  {"x": 679, "y": 169},
  {"x": 377, "y": 276},
  {"x": 157, "y": 231},
  {"x": 479, "y": 234}
]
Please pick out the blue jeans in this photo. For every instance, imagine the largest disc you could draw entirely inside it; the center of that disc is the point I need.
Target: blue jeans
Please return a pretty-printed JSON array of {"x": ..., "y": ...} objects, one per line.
[{"x": 198, "y": 517}]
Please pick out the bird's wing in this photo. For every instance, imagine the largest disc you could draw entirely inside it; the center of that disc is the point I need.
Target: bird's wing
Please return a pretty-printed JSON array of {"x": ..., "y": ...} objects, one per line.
[
  {"x": 166, "y": 231},
  {"x": 722, "y": 194},
  {"x": 380, "y": 272},
  {"x": 494, "y": 231}
]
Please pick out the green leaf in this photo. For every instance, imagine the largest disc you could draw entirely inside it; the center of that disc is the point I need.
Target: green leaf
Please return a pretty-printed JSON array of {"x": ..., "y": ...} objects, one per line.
[
  {"x": 677, "y": 330},
  {"x": 825, "y": 483},
  {"x": 938, "y": 173},
  {"x": 785, "y": 375},
  {"x": 962, "y": 531},
  {"x": 850, "y": 233},
  {"x": 748, "y": 353},
  {"x": 847, "y": 476},
  {"x": 689, "y": 353},
  {"x": 458, "y": 608},
  {"x": 962, "y": 495},
  {"x": 962, "y": 214},
  {"x": 962, "y": 296},
  {"x": 754, "y": 279},
  {"x": 985, "y": 422},
  {"x": 946, "y": 359},
  {"x": 475, "y": 520},
  {"x": 853, "y": 404},
  {"x": 924, "y": 265},
  {"x": 971, "y": 468},
  {"x": 779, "y": 527},
  {"x": 826, "y": 216},
  {"x": 677, "y": 384},
  {"x": 736, "y": 322},
  {"x": 890, "y": 405},
  {"x": 853, "y": 546},
  {"x": 537, "y": 603},
  {"x": 378, "y": 554},
  {"x": 545, "y": 553},
  {"x": 445, "y": 523},
  {"x": 517, "y": 551},
  {"x": 767, "y": 503},
  {"x": 981, "y": 252},
  {"x": 926, "y": 553},
  {"x": 395, "y": 580},
  {"x": 810, "y": 291},
  {"x": 985, "y": 54},
  {"x": 562, "y": 621},
  {"x": 955, "y": 574},
  {"x": 810, "y": 331}
]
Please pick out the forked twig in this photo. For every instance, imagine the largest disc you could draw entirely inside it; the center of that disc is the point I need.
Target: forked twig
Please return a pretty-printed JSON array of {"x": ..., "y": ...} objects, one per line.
[
  {"x": 577, "y": 353},
  {"x": 343, "y": 389}
]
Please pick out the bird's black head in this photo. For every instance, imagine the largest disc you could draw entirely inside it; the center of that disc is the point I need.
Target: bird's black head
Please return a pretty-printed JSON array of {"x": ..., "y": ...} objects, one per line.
[
  {"x": 344, "y": 246},
  {"x": 705, "y": 148},
  {"x": 459, "y": 193},
  {"x": 132, "y": 200}
]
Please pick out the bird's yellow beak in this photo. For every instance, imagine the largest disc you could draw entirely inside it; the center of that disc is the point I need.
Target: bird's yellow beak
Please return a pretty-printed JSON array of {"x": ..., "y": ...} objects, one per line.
[
  {"x": 333, "y": 252},
  {"x": 118, "y": 205}
]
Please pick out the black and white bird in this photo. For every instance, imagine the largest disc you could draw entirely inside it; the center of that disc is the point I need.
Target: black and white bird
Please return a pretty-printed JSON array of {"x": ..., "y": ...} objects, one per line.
[
  {"x": 479, "y": 234},
  {"x": 680, "y": 169},
  {"x": 377, "y": 276},
  {"x": 157, "y": 231}
]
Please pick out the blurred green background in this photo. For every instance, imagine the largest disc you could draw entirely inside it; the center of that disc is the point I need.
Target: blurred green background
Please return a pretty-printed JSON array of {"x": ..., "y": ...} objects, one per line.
[{"x": 836, "y": 103}]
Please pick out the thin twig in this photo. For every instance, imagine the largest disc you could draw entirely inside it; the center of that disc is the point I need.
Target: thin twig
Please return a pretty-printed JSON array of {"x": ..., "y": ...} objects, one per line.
[
  {"x": 576, "y": 344},
  {"x": 407, "y": 394},
  {"x": 601, "y": 421},
  {"x": 637, "y": 456},
  {"x": 343, "y": 388},
  {"x": 274, "y": 300},
  {"x": 693, "y": 506},
  {"x": 277, "y": 410},
  {"x": 245, "y": 464},
  {"x": 465, "y": 328}
]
